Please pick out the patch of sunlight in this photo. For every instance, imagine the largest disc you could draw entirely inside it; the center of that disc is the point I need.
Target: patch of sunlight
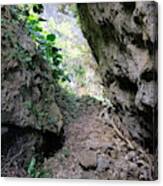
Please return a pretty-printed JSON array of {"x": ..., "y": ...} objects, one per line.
[{"x": 78, "y": 60}]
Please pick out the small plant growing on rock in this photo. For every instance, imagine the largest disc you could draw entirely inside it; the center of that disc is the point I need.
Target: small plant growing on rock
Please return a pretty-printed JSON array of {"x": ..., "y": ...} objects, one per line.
[
  {"x": 35, "y": 172},
  {"x": 66, "y": 152}
]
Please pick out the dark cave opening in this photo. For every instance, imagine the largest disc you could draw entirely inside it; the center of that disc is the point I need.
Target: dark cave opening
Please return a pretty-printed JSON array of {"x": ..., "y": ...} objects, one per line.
[{"x": 45, "y": 144}]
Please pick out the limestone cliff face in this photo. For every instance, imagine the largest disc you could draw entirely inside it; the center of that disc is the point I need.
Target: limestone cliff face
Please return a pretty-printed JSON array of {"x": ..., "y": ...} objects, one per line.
[
  {"x": 28, "y": 88},
  {"x": 123, "y": 38}
]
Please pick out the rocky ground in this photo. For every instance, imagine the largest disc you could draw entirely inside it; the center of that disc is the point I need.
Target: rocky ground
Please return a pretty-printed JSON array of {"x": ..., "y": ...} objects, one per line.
[{"x": 94, "y": 150}]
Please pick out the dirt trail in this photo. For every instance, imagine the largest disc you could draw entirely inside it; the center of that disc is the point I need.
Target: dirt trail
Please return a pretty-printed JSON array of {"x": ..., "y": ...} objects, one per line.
[{"x": 93, "y": 150}]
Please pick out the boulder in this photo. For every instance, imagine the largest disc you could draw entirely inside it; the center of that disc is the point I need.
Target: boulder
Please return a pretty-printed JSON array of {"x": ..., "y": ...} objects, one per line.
[{"x": 87, "y": 159}]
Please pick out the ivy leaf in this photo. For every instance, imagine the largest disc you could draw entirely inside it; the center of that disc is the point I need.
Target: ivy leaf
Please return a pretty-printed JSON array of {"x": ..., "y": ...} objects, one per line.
[
  {"x": 58, "y": 56},
  {"x": 56, "y": 62},
  {"x": 38, "y": 8},
  {"x": 28, "y": 104},
  {"x": 32, "y": 19},
  {"x": 31, "y": 167},
  {"x": 37, "y": 28},
  {"x": 54, "y": 49},
  {"x": 50, "y": 37}
]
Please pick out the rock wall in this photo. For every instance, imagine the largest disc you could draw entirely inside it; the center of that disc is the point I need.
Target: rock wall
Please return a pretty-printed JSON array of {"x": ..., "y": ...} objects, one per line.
[
  {"x": 123, "y": 38},
  {"x": 28, "y": 88}
]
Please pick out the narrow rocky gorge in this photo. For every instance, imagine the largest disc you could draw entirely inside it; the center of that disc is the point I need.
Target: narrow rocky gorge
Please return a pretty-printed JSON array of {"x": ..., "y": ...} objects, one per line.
[{"x": 83, "y": 137}]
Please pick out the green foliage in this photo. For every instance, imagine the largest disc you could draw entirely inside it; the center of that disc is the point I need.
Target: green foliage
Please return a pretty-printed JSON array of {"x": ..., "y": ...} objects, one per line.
[
  {"x": 66, "y": 152},
  {"x": 31, "y": 167},
  {"x": 77, "y": 60},
  {"x": 45, "y": 42},
  {"x": 51, "y": 37},
  {"x": 27, "y": 17},
  {"x": 32, "y": 107},
  {"x": 28, "y": 104},
  {"x": 38, "y": 8},
  {"x": 35, "y": 172},
  {"x": 80, "y": 73}
]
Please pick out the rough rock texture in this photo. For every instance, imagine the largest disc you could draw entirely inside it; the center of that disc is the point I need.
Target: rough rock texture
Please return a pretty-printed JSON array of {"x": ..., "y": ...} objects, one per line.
[
  {"x": 88, "y": 159},
  {"x": 94, "y": 150},
  {"x": 123, "y": 38},
  {"x": 27, "y": 90}
]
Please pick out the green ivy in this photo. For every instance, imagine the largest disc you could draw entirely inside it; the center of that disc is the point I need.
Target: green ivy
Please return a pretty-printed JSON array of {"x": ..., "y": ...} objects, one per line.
[
  {"x": 45, "y": 42},
  {"x": 28, "y": 18},
  {"x": 35, "y": 172}
]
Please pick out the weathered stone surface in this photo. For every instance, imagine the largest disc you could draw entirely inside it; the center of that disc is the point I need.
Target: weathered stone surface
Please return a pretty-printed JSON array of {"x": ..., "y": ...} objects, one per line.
[
  {"x": 123, "y": 38},
  {"x": 27, "y": 97},
  {"x": 103, "y": 163},
  {"x": 88, "y": 159}
]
